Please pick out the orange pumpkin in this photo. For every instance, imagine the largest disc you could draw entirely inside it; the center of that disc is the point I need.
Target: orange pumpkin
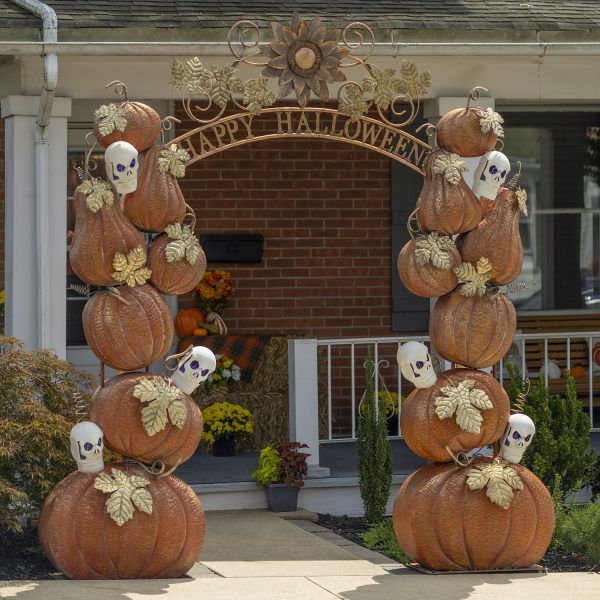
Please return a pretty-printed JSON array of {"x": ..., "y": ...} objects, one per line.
[
  {"x": 82, "y": 541},
  {"x": 118, "y": 412},
  {"x": 98, "y": 236},
  {"x": 460, "y": 131},
  {"x": 497, "y": 238},
  {"x": 187, "y": 320},
  {"x": 176, "y": 277},
  {"x": 427, "y": 435},
  {"x": 129, "y": 332},
  {"x": 157, "y": 201},
  {"x": 442, "y": 524},
  {"x": 474, "y": 332},
  {"x": 445, "y": 207},
  {"x": 425, "y": 279},
  {"x": 200, "y": 332},
  {"x": 141, "y": 130}
]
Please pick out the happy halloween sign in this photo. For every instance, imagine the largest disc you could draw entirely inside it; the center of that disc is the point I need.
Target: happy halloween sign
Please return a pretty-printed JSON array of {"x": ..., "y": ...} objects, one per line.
[{"x": 299, "y": 123}]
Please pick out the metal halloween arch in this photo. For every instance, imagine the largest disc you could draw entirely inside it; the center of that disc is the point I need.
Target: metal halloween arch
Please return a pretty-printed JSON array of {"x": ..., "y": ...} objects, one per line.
[{"x": 305, "y": 58}]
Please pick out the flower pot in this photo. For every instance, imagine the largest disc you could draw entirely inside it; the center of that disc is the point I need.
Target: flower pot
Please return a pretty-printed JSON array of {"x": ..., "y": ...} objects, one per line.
[
  {"x": 224, "y": 446},
  {"x": 281, "y": 498}
]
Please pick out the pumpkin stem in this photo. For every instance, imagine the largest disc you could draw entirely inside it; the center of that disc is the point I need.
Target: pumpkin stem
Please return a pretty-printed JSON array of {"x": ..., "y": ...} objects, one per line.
[
  {"x": 475, "y": 94},
  {"x": 120, "y": 88},
  {"x": 90, "y": 164},
  {"x": 461, "y": 459},
  {"x": 431, "y": 131},
  {"x": 157, "y": 468},
  {"x": 166, "y": 125}
]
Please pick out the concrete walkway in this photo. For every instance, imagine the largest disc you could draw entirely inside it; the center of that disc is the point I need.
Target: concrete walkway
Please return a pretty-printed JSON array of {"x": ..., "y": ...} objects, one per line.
[{"x": 257, "y": 555}]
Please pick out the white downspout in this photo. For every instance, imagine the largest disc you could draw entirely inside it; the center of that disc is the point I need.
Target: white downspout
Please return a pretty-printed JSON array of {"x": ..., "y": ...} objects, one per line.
[{"x": 49, "y": 85}]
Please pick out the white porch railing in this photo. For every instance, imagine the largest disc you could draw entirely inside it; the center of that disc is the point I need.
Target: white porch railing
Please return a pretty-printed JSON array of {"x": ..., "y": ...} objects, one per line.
[{"x": 344, "y": 374}]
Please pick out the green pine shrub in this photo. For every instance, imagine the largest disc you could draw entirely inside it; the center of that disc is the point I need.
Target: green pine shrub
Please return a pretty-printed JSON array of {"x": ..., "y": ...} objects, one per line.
[
  {"x": 38, "y": 396},
  {"x": 561, "y": 444},
  {"x": 374, "y": 451},
  {"x": 381, "y": 538}
]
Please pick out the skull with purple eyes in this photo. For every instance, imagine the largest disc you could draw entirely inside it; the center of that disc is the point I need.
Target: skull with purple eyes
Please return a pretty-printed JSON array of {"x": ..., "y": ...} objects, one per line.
[
  {"x": 490, "y": 174},
  {"x": 517, "y": 437},
  {"x": 194, "y": 367},
  {"x": 414, "y": 361},
  {"x": 121, "y": 162},
  {"x": 87, "y": 445}
]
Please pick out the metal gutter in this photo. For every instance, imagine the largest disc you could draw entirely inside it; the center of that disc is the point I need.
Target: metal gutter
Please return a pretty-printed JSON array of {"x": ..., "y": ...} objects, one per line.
[{"x": 42, "y": 151}]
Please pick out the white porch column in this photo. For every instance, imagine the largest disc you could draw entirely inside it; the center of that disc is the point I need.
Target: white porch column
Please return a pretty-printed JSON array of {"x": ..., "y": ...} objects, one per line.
[
  {"x": 21, "y": 281},
  {"x": 304, "y": 400}
]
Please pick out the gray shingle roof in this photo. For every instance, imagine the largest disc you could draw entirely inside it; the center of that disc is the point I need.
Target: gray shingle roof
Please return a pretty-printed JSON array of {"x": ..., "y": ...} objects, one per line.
[{"x": 498, "y": 15}]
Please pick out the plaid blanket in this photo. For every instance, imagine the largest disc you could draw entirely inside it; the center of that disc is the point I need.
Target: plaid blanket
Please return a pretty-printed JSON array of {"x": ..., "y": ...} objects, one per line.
[{"x": 245, "y": 350}]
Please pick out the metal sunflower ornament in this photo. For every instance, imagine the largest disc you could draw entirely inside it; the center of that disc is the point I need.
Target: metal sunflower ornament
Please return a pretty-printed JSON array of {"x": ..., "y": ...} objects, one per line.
[{"x": 304, "y": 56}]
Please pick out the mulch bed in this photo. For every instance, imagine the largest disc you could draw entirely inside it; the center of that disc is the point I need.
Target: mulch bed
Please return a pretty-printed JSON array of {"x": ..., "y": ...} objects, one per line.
[
  {"x": 352, "y": 527},
  {"x": 21, "y": 556}
]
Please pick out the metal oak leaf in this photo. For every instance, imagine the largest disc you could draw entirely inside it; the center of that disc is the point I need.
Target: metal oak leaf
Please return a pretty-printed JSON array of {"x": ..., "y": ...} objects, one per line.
[
  {"x": 172, "y": 160},
  {"x": 466, "y": 401},
  {"x": 413, "y": 83},
  {"x": 501, "y": 482},
  {"x": 435, "y": 249},
  {"x": 491, "y": 121},
  {"x": 164, "y": 402},
  {"x": 98, "y": 194},
  {"x": 191, "y": 77},
  {"x": 384, "y": 86},
  {"x": 223, "y": 84},
  {"x": 126, "y": 494},
  {"x": 353, "y": 103},
  {"x": 110, "y": 117},
  {"x": 474, "y": 278},
  {"x": 257, "y": 95},
  {"x": 451, "y": 165},
  {"x": 130, "y": 269},
  {"x": 522, "y": 200},
  {"x": 184, "y": 245}
]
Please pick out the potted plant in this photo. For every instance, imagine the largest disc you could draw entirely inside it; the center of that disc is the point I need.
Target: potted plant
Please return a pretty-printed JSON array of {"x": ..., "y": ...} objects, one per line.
[
  {"x": 223, "y": 424},
  {"x": 282, "y": 470}
]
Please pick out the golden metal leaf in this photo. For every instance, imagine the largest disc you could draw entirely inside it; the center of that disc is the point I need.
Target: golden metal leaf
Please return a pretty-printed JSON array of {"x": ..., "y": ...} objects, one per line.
[
  {"x": 501, "y": 482},
  {"x": 257, "y": 95},
  {"x": 474, "y": 278},
  {"x": 466, "y": 401},
  {"x": 130, "y": 269},
  {"x": 491, "y": 121},
  {"x": 434, "y": 248},
  {"x": 172, "y": 160},
  {"x": 98, "y": 194},
  {"x": 110, "y": 117},
  {"x": 414, "y": 83},
  {"x": 164, "y": 403},
  {"x": 522, "y": 200},
  {"x": 184, "y": 245},
  {"x": 353, "y": 103},
  {"x": 451, "y": 165}
]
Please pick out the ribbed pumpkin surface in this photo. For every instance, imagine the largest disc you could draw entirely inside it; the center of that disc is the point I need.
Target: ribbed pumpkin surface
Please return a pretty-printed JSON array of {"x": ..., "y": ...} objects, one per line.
[
  {"x": 427, "y": 435},
  {"x": 497, "y": 238},
  {"x": 474, "y": 332},
  {"x": 118, "y": 413},
  {"x": 446, "y": 207},
  {"x": 82, "y": 541},
  {"x": 443, "y": 525},
  {"x": 157, "y": 201},
  {"x": 143, "y": 127},
  {"x": 179, "y": 277},
  {"x": 459, "y": 131},
  {"x": 97, "y": 238},
  {"x": 128, "y": 336}
]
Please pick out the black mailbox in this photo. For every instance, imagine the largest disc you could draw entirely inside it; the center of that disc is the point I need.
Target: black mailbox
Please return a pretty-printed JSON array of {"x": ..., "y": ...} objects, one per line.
[{"x": 233, "y": 247}]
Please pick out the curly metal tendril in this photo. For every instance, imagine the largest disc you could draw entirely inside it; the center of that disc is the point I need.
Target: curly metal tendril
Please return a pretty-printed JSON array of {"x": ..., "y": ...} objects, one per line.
[
  {"x": 120, "y": 88},
  {"x": 475, "y": 94},
  {"x": 244, "y": 30},
  {"x": 364, "y": 38}
]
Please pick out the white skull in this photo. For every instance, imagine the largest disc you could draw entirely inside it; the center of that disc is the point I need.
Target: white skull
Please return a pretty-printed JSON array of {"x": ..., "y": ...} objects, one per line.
[
  {"x": 121, "y": 163},
  {"x": 490, "y": 174},
  {"x": 415, "y": 364},
  {"x": 194, "y": 368},
  {"x": 518, "y": 436},
  {"x": 87, "y": 444}
]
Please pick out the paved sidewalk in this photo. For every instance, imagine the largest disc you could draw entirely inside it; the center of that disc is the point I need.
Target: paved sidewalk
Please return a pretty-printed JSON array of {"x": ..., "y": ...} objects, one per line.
[{"x": 257, "y": 555}]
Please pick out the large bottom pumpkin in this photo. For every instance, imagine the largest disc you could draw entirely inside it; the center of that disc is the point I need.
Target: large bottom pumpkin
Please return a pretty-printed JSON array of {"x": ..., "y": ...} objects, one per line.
[
  {"x": 443, "y": 525},
  {"x": 82, "y": 541}
]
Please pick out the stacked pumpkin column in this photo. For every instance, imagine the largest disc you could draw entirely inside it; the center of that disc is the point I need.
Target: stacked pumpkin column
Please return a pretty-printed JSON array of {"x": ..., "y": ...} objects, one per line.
[
  {"x": 133, "y": 518},
  {"x": 487, "y": 512}
]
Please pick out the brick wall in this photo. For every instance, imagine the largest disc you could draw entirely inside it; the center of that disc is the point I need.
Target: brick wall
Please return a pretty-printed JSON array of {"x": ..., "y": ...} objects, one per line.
[
  {"x": 323, "y": 208},
  {"x": 2, "y": 206}
]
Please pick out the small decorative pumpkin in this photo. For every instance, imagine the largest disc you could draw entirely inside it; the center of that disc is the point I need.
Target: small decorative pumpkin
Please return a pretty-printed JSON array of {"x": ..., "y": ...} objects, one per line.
[
  {"x": 129, "y": 329},
  {"x": 464, "y": 409},
  {"x": 157, "y": 202},
  {"x": 132, "y": 122},
  {"x": 101, "y": 230},
  {"x": 469, "y": 131},
  {"x": 447, "y": 204},
  {"x": 498, "y": 237},
  {"x": 147, "y": 418},
  {"x": 177, "y": 261},
  {"x": 161, "y": 538},
  {"x": 187, "y": 320},
  {"x": 426, "y": 263},
  {"x": 473, "y": 325},
  {"x": 445, "y": 519}
]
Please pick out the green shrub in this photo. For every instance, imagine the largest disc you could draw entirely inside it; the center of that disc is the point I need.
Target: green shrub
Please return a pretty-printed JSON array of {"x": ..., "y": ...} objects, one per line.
[
  {"x": 268, "y": 466},
  {"x": 561, "y": 444},
  {"x": 381, "y": 537},
  {"x": 374, "y": 451},
  {"x": 38, "y": 396}
]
